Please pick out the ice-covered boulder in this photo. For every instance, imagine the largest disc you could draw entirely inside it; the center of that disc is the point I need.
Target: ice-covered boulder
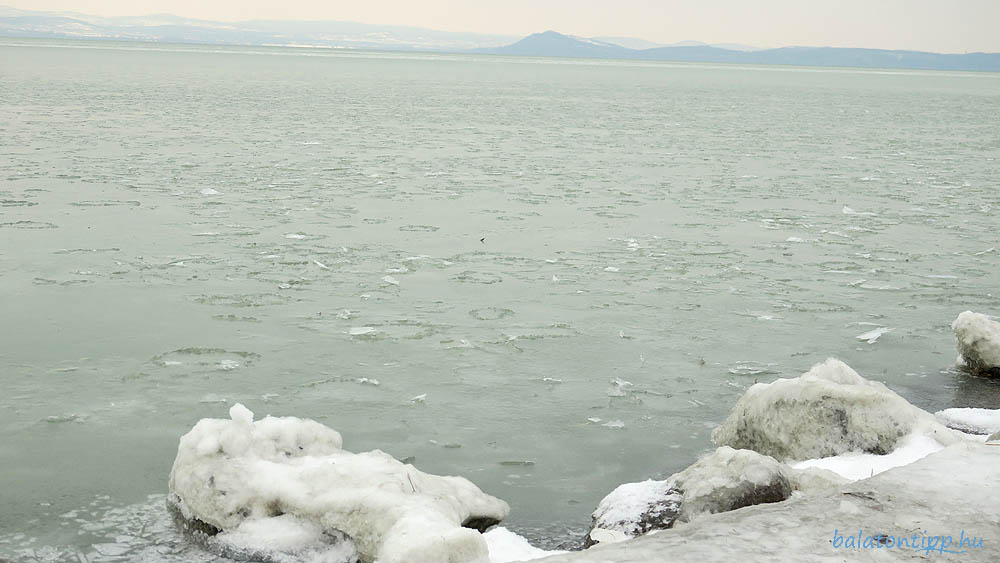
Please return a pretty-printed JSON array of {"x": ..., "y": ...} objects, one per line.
[
  {"x": 634, "y": 509},
  {"x": 827, "y": 411},
  {"x": 978, "y": 343},
  {"x": 724, "y": 480},
  {"x": 729, "y": 479},
  {"x": 230, "y": 476}
]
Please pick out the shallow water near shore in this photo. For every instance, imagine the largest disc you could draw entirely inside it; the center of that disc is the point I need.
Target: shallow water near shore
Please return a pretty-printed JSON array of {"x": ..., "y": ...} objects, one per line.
[{"x": 548, "y": 276}]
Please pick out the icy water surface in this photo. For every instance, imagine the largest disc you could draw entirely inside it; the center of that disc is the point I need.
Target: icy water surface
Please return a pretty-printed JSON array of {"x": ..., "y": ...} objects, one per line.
[{"x": 548, "y": 276}]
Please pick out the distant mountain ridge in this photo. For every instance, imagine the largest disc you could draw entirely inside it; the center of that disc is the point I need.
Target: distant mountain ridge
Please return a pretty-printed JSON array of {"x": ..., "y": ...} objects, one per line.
[
  {"x": 640, "y": 44},
  {"x": 175, "y": 29},
  {"x": 350, "y": 35},
  {"x": 553, "y": 44}
]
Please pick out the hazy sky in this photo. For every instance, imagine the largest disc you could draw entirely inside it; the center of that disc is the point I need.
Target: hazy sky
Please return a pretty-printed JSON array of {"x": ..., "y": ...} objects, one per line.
[{"x": 933, "y": 25}]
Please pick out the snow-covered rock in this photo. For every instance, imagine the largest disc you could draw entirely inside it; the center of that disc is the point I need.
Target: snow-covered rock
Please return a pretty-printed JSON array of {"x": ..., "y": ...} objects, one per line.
[
  {"x": 953, "y": 493},
  {"x": 978, "y": 342},
  {"x": 232, "y": 478},
  {"x": 729, "y": 479},
  {"x": 724, "y": 480},
  {"x": 634, "y": 509},
  {"x": 827, "y": 411}
]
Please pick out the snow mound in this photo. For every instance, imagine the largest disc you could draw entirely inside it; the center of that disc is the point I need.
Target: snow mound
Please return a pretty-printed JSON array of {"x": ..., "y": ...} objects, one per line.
[
  {"x": 827, "y": 411},
  {"x": 978, "y": 342},
  {"x": 234, "y": 478}
]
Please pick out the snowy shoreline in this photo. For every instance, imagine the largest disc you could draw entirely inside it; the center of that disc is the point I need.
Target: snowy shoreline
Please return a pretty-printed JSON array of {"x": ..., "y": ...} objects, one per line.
[
  {"x": 945, "y": 493},
  {"x": 842, "y": 464}
]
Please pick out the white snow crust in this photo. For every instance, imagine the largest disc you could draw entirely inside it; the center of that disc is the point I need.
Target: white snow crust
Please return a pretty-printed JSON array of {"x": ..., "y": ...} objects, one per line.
[
  {"x": 858, "y": 465},
  {"x": 975, "y": 421}
]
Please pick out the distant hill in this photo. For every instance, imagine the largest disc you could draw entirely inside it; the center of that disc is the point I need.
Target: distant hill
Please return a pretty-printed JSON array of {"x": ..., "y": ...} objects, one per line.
[
  {"x": 552, "y": 44},
  {"x": 337, "y": 34}
]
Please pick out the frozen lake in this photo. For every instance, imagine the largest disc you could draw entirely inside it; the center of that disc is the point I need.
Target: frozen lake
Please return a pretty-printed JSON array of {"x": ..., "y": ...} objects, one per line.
[{"x": 547, "y": 276}]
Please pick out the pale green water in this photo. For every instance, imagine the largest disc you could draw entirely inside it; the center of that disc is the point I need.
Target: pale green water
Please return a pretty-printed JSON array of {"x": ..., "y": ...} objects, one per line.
[{"x": 636, "y": 218}]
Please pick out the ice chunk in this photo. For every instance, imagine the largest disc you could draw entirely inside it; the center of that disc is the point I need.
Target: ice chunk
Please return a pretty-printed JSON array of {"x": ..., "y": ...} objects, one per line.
[
  {"x": 978, "y": 342},
  {"x": 848, "y": 211},
  {"x": 283, "y": 539},
  {"x": 619, "y": 387},
  {"x": 236, "y": 476},
  {"x": 873, "y": 335},
  {"x": 827, "y": 411}
]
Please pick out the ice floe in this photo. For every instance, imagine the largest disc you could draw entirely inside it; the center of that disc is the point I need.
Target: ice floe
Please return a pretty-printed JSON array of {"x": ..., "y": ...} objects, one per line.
[{"x": 872, "y": 336}]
